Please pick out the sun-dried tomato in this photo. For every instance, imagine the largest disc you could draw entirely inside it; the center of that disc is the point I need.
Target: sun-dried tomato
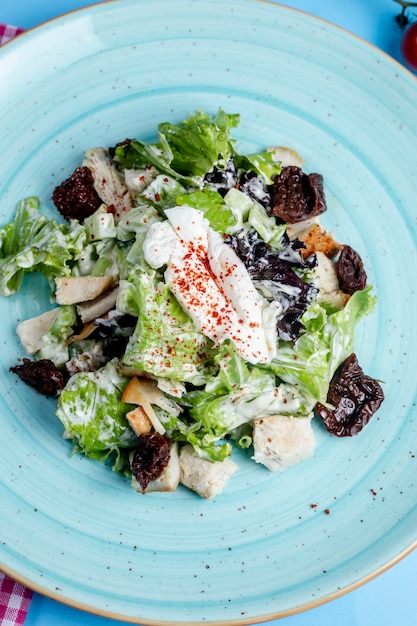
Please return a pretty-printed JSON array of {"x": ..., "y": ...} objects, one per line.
[
  {"x": 42, "y": 375},
  {"x": 355, "y": 398},
  {"x": 150, "y": 458},
  {"x": 76, "y": 197},
  {"x": 297, "y": 196},
  {"x": 351, "y": 272}
]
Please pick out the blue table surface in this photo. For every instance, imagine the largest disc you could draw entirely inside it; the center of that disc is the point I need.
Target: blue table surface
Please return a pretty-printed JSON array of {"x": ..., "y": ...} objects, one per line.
[{"x": 391, "y": 598}]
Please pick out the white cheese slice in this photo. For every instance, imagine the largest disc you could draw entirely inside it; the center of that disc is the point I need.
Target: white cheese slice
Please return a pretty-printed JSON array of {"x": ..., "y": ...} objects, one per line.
[{"x": 212, "y": 284}]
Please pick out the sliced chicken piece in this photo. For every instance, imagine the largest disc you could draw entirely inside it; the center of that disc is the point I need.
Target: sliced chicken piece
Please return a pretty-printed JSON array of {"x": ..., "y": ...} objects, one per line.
[
  {"x": 89, "y": 311},
  {"x": 139, "y": 421},
  {"x": 280, "y": 441},
  {"x": 206, "y": 478},
  {"x": 287, "y": 156},
  {"x": 170, "y": 477},
  {"x": 108, "y": 182},
  {"x": 31, "y": 331},
  {"x": 137, "y": 180},
  {"x": 76, "y": 289},
  {"x": 328, "y": 282}
]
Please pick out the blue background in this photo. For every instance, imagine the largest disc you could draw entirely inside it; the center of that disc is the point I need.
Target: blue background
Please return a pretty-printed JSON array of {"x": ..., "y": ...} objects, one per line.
[{"x": 390, "y": 599}]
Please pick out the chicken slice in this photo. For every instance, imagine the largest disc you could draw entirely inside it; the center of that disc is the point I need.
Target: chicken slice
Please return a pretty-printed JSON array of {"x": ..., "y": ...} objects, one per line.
[
  {"x": 31, "y": 331},
  {"x": 108, "y": 183},
  {"x": 328, "y": 282},
  {"x": 91, "y": 310},
  {"x": 205, "y": 477},
  {"x": 280, "y": 441},
  {"x": 76, "y": 289}
]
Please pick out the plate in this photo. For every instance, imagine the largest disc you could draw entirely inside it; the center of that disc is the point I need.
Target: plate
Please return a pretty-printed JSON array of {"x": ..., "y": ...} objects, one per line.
[{"x": 272, "y": 544}]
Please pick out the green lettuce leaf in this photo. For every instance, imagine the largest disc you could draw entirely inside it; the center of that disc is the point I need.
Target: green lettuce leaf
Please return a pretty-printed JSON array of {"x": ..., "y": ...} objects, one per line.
[
  {"x": 211, "y": 203},
  {"x": 262, "y": 163},
  {"x": 161, "y": 192},
  {"x": 165, "y": 342},
  {"x": 34, "y": 243},
  {"x": 185, "y": 151},
  {"x": 94, "y": 416},
  {"x": 199, "y": 141},
  {"x": 54, "y": 341},
  {"x": 328, "y": 340},
  {"x": 239, "y": 394}
]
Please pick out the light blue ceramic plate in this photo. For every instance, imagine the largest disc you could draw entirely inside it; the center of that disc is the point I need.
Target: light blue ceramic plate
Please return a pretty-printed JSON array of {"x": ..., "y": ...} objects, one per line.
[{"x": 72, "y": 529}]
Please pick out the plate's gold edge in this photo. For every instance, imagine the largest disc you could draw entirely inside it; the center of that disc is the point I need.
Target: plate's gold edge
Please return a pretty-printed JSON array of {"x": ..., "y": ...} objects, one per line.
[
  {"x": 308, "y": 606},
  {"x": 143, "y": 621}
]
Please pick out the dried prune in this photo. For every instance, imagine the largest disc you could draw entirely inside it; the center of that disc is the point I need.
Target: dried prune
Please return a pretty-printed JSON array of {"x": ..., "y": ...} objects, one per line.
[
  {"x": 76, "y": 197},
  {"x": 297, "y": 196},
  {"x": 42, "y": 375},
  {"x": 351, "y": 272},
  {"x": 355, "y": 398},
  {"x": 150, "y": 458}
]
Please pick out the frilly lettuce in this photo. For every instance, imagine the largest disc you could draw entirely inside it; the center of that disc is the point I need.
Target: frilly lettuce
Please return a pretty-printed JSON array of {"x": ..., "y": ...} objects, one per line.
[
  {"x": 211, "y": 203},
  {"x": 54, "y": 345},
  {"x": 34, "y": 243},
  {"x": 263, "y": 163},
  {"x": 237, "y": 395},
  {"x": 327, "y": 341},
  {"x": 185, "y": 151},
  {"x": 93, "y": 414},
  {"x": 165, "y": 342}
]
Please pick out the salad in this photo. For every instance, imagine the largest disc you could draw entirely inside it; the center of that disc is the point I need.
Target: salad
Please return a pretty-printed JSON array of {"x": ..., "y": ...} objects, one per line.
[{"x": 197, "y": 305}]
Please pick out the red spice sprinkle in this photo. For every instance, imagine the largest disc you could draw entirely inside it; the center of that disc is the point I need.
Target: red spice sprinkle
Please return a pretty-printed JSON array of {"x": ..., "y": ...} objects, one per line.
[
  {"x": 327, "y": 511},
  {"x": 157, "y": 197},
  {"x": 373, "y": 492},
  {"x": 313, "y": 506}
]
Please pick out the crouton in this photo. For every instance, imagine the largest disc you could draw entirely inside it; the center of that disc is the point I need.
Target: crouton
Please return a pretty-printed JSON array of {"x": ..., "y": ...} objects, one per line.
[
  {"x": 144, "y": 393},
  {"x": 139, "y": 421},
  {"x": 317, "y": 239}
]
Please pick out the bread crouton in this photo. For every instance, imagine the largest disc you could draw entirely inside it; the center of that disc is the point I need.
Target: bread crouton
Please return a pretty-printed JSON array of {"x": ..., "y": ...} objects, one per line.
[{"x": 317, "y": 239}]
